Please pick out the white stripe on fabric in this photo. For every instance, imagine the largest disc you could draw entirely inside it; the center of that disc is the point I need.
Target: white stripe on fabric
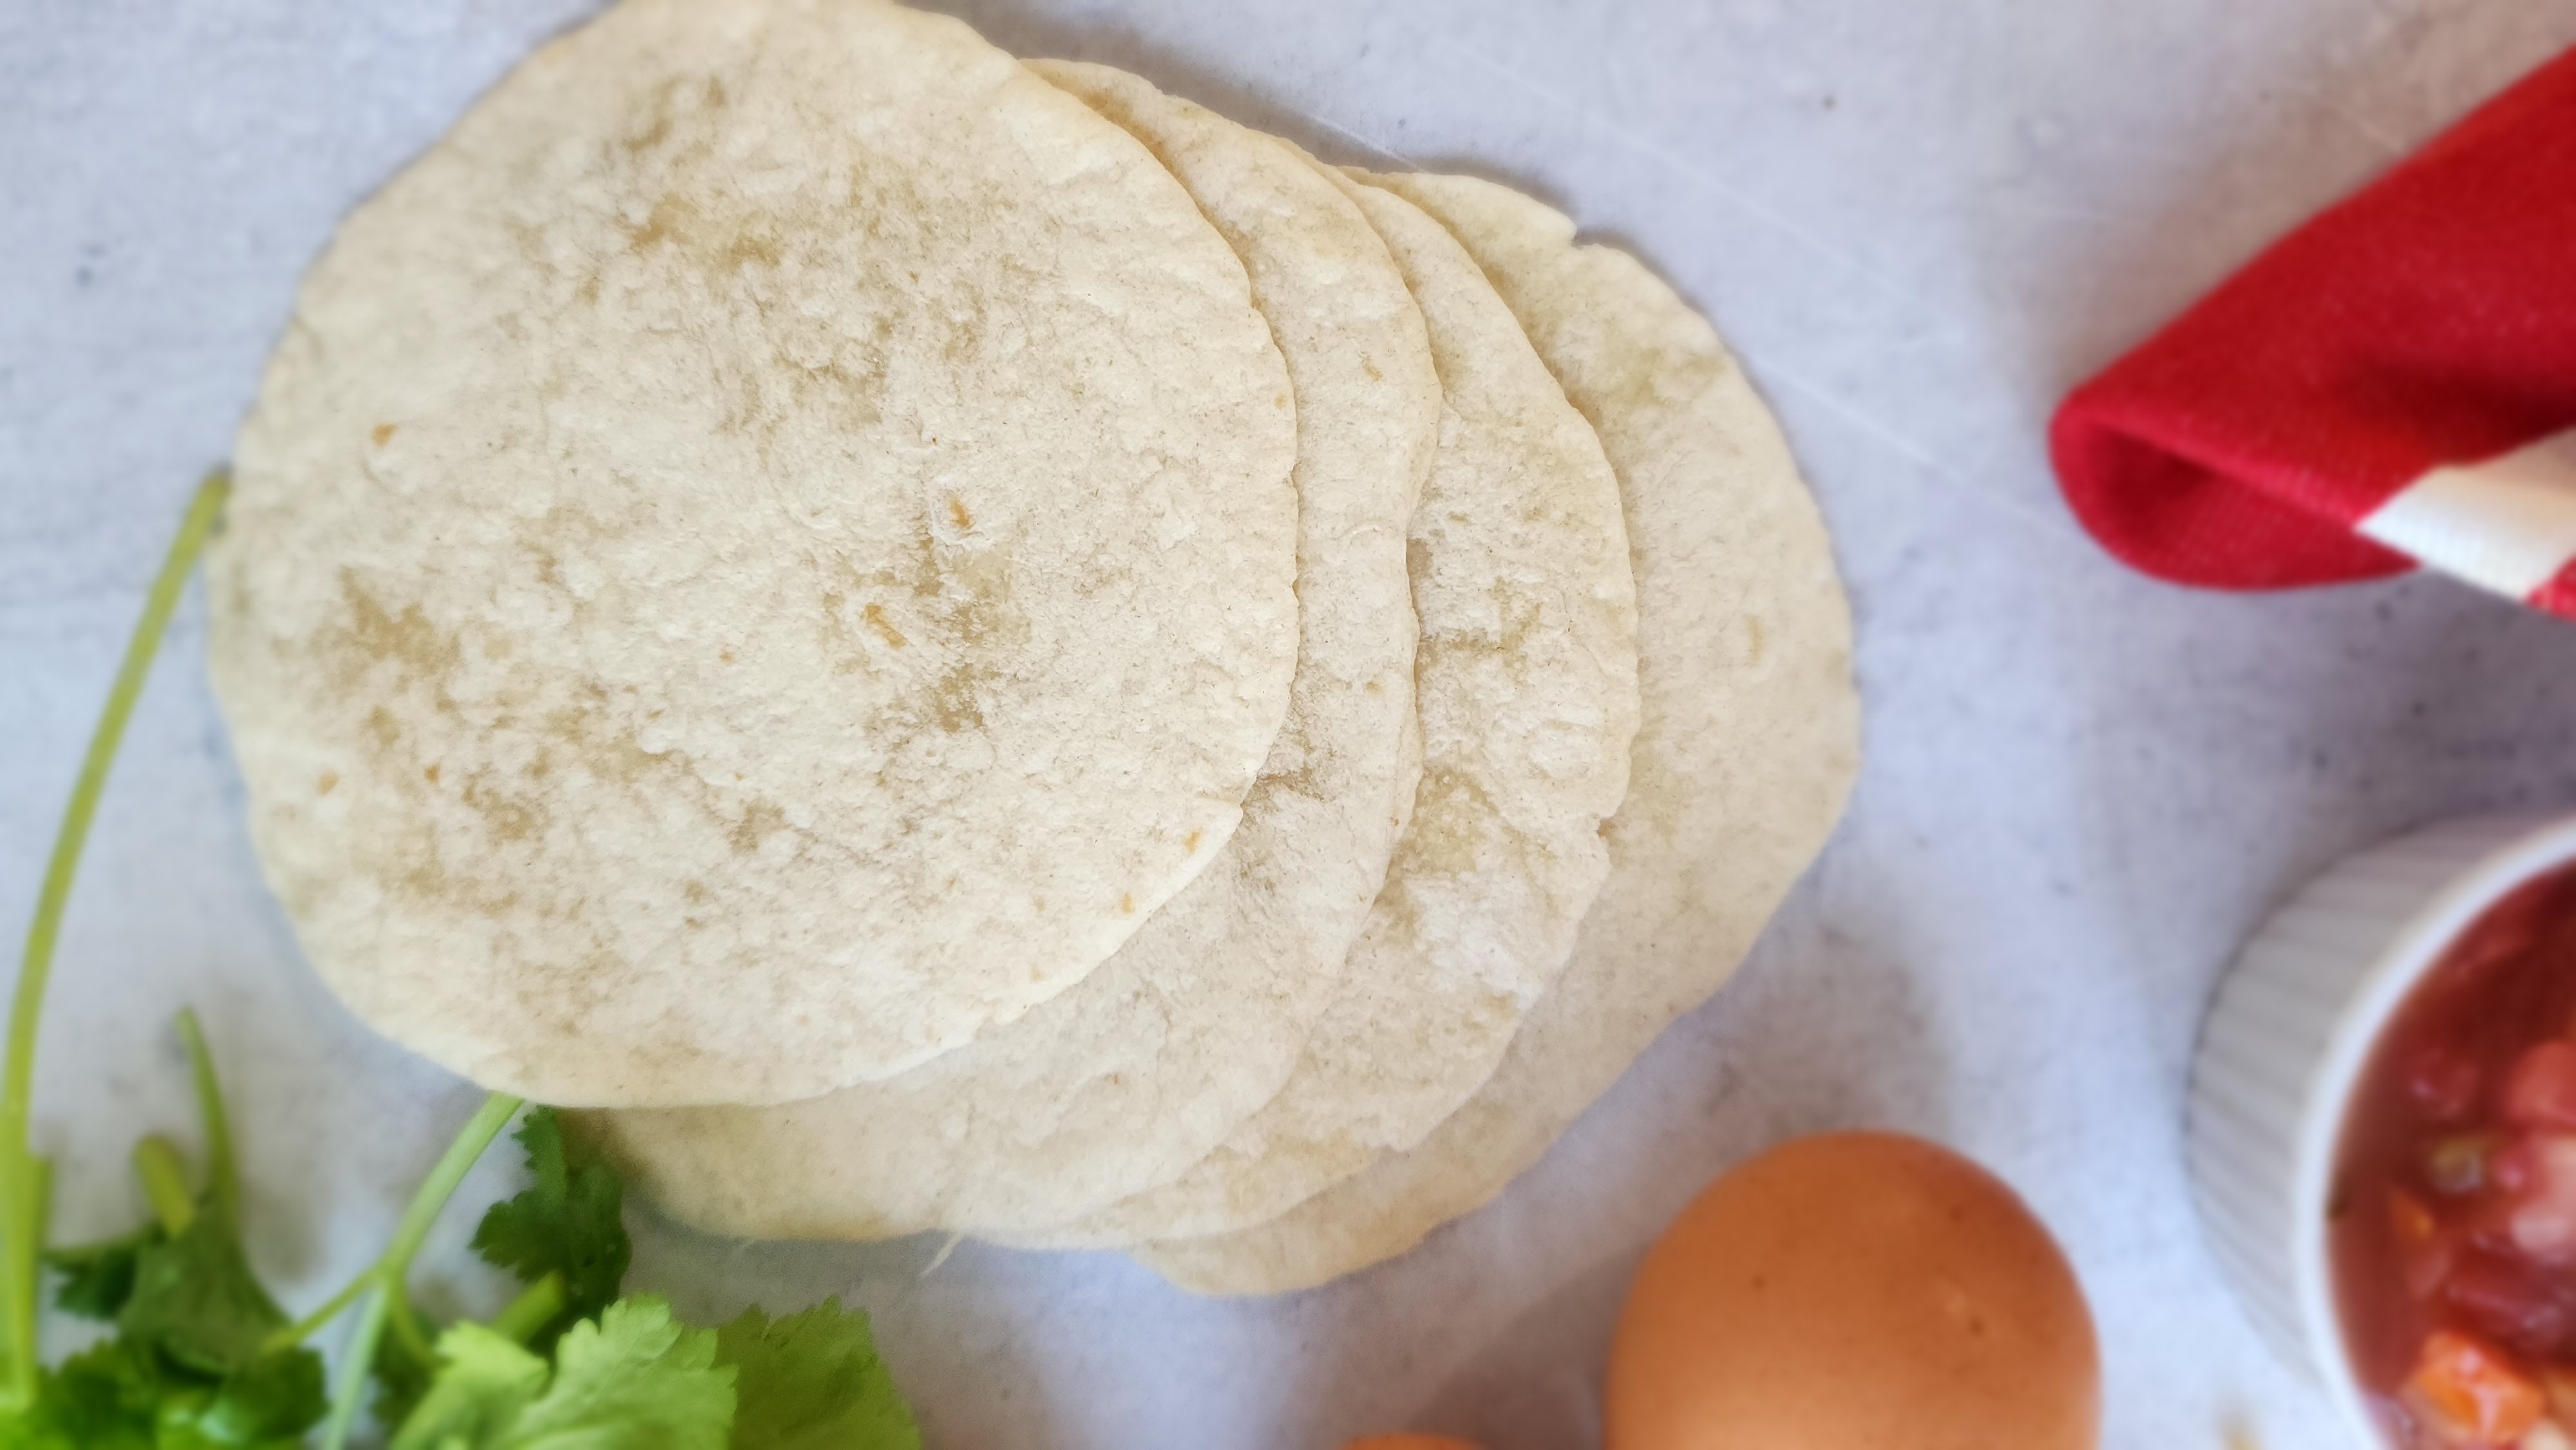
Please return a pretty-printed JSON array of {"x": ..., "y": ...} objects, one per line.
[{"x": 2509, "y": 524}]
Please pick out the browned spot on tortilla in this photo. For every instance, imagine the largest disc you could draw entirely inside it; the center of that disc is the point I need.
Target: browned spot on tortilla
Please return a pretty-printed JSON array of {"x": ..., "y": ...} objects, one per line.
[
  {"x": 653, "y": 135},
  {"x": 875, "y": 616},
  {"x": 329, "y": 782},
  {"x": 669, "y": 215},
  {"x": 1303, "y": 781},
  {"x": 1127, "y": 904},
  {"x": 383, "y": 434},
  {"x": 510, "y": 817},
  {"x": 719, "y": 249},
  {"x": 744, "y": 248},
  {"x": 757, "y": 822},
  {"x": 1754, "y": 643},
  {"x": 416, "y": 648},
  {"x": 953, "y": 704},
  {"x": 960, "y": 595},
  {"x": 430, "y": 773},
  {"x": 957, "y": 511},
  {"x": 1452, "y": 820},
  {"x": 1190, "y": 842}
]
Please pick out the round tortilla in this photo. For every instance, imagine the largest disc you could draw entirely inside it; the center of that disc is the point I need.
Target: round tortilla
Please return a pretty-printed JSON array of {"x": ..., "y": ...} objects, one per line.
[
  {"x": 1527, "y": 687},
  {"x": 767, "y": 551},
  {"x": 1132, "y": 1075},
  {"x": 1747, "y": 752}
]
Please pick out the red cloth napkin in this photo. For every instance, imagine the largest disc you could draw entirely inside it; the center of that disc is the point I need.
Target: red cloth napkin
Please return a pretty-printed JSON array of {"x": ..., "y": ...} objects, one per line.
[{"x": 2394, "y": 384}]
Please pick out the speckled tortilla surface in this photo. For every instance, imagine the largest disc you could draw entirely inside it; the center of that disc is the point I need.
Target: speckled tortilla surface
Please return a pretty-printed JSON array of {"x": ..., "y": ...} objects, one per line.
[
  {"x": 1528, "y": 693},
  {"x": 1128, "y": 1077},
  {"x": 1740, "y": 768},
  {"x": 766, "y": 552}
]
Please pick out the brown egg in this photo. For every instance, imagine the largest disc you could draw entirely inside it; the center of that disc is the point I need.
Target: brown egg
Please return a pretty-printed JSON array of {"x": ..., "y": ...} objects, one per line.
[{"x": 1857, "y": 1291}]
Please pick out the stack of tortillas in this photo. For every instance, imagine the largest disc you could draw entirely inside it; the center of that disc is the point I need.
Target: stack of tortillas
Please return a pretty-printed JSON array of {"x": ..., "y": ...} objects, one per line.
[{"x": 975, "y": 648}]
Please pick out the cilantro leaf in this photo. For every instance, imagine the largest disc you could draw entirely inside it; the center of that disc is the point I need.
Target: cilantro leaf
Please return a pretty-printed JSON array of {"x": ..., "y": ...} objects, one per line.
[
  {"x": 267, "y": 1405},
  {"x": 401, "y": 1379},
  {"x": 484, "y": 1381},
  {"x": 104, "y": 1398},
  {"x": 118, "y": 1395},
  {"x": 568, "y": 1223},
  {"x": 98, "y": 1278},
  {"x": 196, "y": 1300},
  {"x": 634, "y": 1379},
  {"x": 812, "y": 1381}
]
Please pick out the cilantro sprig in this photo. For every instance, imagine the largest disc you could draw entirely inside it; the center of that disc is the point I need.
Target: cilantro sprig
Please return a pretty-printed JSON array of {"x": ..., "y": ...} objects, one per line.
[
  {"x": 26, "y": 1180},
  {"x": 197, "y": 1359},
  {"x": 202, "y": 1357}
]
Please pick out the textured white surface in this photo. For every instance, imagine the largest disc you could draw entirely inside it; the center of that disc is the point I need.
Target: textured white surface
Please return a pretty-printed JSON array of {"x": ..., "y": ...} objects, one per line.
[{"x": 1918, "y": 223}]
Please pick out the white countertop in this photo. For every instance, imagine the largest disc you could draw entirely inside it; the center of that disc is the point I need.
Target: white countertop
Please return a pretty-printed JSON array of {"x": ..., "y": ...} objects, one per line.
[{"x": 1919, "y": 222}]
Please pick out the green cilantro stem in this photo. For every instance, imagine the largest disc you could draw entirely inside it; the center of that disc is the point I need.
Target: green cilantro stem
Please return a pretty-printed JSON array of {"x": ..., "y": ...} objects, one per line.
[
  {"x": 353, "y": 1374},
  {"x": 314, "y": 1323},
  {"x": 34, "y": 1208},
  {"x": 422, "y": 1214},
  {"x": 406, "y": 1327},
  {"x": 386, "y": 1276},
  {"x": 22, "y": 1183},
  {"x": 39, "y": 1207},
  {"x": 223, "y": 1176},
  {"x": 534, "y": 1309},
  {"x": 165, "y": 1184}
]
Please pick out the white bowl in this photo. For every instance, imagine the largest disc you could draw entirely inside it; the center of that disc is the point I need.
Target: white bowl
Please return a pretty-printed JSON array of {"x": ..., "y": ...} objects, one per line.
[{"x": 2289, "y": 1033}]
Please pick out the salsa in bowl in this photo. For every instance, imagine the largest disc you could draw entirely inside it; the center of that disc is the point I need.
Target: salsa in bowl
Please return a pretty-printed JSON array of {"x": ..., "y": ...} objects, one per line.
[
  {"x": 2451, "y": 1215},
  {"x": 2382, "y": 1135}
]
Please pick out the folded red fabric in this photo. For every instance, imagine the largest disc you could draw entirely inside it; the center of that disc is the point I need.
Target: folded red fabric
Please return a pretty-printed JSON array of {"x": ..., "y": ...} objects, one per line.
[{"x": 2393, "y": 384}]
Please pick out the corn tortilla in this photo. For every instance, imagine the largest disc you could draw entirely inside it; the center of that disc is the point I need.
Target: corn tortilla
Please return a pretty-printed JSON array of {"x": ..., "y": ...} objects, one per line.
[
  {"x": 1130, "y": 1076},
  {"x": 1747, "y": 752},
  {"x": 766, "y": 552},
  {"x": 1528, "y": 693}
]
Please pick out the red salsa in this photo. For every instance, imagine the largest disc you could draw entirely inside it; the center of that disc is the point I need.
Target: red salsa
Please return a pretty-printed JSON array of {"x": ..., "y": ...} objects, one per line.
[{"x": 2452, "y": 1220}]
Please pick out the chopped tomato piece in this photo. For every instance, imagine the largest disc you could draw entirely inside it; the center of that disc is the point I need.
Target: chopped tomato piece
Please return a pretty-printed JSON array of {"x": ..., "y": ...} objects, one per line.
[
  {"x": 2444, "y": 1081},
  {"x": 2540, "y": 1091},
  {"x": 2424, "y": 1251},
  {"x": 2559, "y": 1385},
  {"x": 2409, "y": 1219},
  {"x": 2515, "y": 1166},
  {"x": 2540, "y": 1204},
  {"x": 2472, "y": 1393},
  {"x": 2503, "y": 1300}
]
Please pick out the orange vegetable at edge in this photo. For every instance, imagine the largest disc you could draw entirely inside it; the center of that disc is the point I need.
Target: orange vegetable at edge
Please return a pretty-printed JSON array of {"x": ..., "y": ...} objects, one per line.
[{"x": 2473, "y": 1391}]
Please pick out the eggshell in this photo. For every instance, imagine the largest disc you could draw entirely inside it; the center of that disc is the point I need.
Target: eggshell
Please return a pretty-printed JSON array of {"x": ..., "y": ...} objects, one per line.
[{"x": 1855, "y": 1291}]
